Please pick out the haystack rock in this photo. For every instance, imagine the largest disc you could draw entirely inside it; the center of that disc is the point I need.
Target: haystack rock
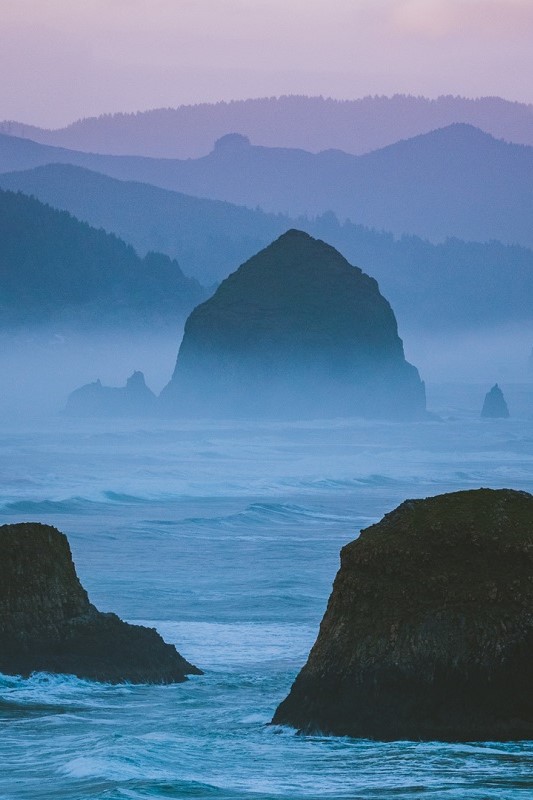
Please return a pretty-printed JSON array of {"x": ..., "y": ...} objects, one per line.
[
  {"x": 428, "y": 633},
  {"x": 296, "y": 331},
  {"x": 48, "y": 624},
  {"x": 494, "y": 405},
  {"x": 96, "y": 400}
]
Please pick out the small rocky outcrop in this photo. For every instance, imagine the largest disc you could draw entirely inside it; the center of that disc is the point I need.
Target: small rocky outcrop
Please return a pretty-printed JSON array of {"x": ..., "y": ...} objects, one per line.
[
  {"x": 494, "y": 405},
  {"x": 428, "y": 632},
  {"x": 95, "y": 400},
  {"x": 48, "y": 624},
  {"x": 296, "y": 331}
]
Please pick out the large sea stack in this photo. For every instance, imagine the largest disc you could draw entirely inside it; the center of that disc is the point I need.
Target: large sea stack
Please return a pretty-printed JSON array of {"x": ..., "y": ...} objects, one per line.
[
  {"x": 48, "y": 624},
  {"x": 428, "y": 632},
  {"x": 296, "y": 331}
]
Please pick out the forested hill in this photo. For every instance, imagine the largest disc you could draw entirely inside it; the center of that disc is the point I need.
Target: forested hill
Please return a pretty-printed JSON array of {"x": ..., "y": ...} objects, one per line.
[
  {"x": 209, "y": 238},
  {"x": 52, "y": 266}
]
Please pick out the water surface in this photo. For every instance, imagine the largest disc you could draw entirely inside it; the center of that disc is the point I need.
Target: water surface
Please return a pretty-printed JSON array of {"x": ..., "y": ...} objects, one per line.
[{"x": 226, "y": 537}]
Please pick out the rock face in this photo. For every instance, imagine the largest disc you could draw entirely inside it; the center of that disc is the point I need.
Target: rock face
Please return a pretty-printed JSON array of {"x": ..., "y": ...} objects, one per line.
[
  {"x": 296, "y": 331},
  {"x": 48, "y": 624},
  {"x": 428, "y": 632},
  {"x": 494, "y": 405},
  {"x": 95, "y": 400}
]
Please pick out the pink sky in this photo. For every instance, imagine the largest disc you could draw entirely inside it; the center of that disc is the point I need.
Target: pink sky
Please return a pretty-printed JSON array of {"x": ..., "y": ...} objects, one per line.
[{"x": 65, "y": 59}]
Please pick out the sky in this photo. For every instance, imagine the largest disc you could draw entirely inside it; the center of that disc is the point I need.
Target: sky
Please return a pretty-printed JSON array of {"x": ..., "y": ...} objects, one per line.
[{"x": 61, "y": 60}]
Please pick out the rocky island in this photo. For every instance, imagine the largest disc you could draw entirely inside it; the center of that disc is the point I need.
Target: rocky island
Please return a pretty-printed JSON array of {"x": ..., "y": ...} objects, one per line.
[
  {"x": 428, "y": 632},
  {"x": 47, "y": 623},
  {"x": 134, "y": 399},
  {"x": 295, "y": 332}
]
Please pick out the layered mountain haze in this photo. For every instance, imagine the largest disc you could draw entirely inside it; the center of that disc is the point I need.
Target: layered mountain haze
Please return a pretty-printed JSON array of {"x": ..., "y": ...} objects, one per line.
[
  {"x": 456, "y": 181},
  {"x": 311, "y": 123},
  {"x": 453, "y": 286}
]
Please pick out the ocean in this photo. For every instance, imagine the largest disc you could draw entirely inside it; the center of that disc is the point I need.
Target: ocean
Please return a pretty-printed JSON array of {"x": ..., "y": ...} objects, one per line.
[{"x": 225, "y": 536}]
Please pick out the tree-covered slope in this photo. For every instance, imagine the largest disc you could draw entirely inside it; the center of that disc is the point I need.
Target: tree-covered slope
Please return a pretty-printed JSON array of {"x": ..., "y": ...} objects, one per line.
[{"x": 53, "y": 265}]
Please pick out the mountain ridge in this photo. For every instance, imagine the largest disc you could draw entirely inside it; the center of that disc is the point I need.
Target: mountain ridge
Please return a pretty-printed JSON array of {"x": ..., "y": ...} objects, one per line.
[
  {"x": 315, "y": 123},
  {"x": 453, "y": 285},
  {"x": 454, "y": 182}
]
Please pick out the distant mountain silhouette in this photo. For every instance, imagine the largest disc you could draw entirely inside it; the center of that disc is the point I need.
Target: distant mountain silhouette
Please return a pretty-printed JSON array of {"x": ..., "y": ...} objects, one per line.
[
  {"x": 312, "y": 123},
  {"x": 451, "y": 286},
  {"x": 456, "y": 181},
  {"x": 53, "y": 266}
]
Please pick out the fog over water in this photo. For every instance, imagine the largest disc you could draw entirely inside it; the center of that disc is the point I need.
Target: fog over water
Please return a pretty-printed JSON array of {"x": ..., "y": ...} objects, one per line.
[
  {"x": 485, "y": 354},
  {"x": 41, "y": 366}
]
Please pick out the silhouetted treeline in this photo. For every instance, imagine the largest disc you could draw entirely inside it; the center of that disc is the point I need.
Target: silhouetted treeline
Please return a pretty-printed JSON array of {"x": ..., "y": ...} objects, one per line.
[
  {"x": 314, "y": 123},
  {"x": 54, "y": 266}
]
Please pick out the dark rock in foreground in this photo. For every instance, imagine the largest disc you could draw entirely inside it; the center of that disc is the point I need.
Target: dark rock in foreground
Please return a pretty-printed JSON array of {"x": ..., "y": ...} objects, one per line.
[
  {"x": 296, "y": 331},
  {"x": 95, "y": 400},
  {"x": 494, "y": 405},
  {"x": 48, "y": 624},
  {"x": 428, "y": 632}
]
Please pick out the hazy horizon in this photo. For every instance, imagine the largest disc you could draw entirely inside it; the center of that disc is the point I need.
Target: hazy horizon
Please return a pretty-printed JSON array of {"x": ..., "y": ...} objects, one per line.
[{"x": 127, "y": 57}]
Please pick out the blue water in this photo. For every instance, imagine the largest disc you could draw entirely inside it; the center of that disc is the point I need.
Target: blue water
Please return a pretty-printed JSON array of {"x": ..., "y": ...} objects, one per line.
[{"x": 226, "y": 538}]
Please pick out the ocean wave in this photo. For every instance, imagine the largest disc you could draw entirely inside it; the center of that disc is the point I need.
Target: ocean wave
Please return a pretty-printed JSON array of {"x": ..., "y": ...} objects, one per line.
[
  {"x": 173, "y": 491},
  {"x": 76, "y": 504},
  {"x": 69, "y": 505},
  {"x": 51, "y": 693},
  {"x": 15, "y": 708},
  {"x": 266, "y": 514},
  {"x": 342, "y": 483},
  {"x": 122, "y": 497}
]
